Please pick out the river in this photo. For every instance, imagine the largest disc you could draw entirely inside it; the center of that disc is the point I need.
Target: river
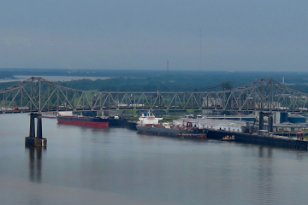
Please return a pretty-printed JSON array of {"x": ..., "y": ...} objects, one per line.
[{"x": 117, "y": 166}]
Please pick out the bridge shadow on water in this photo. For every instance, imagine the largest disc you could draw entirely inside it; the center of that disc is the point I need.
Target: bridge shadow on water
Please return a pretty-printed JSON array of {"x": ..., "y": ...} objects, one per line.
[{"x": 35, "y": 163}]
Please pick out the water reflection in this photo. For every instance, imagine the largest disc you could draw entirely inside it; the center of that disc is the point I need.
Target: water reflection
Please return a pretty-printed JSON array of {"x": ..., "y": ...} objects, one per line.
[
  {"x": 87, "y": 164},
  {"x": 269, "y": 152},
  {"x": 300, "y": 155},
  {"x": 265, "y": 194},
  {"x": 35, "y": 163}
]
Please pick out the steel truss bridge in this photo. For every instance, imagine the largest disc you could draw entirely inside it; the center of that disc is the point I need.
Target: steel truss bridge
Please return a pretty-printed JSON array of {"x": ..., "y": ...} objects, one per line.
[{"x": 39, "y": 95}]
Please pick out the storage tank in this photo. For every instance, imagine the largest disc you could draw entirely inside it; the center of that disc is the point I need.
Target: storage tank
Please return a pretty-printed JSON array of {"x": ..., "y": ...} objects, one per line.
[
  {"x": 284, "y": 117},
  {"x": 297, "y": 119}
]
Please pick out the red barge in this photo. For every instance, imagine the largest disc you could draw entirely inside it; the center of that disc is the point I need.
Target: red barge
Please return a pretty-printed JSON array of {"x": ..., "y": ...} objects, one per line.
[{"x": 85, "y": 121}]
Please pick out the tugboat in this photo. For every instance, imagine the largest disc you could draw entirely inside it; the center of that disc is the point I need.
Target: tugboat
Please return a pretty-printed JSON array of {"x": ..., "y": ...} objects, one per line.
[{"x": 228, "y": 138}]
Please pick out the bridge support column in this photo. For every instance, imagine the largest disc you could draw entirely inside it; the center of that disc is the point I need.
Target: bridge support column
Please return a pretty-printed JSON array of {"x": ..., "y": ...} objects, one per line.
[
  {"x": 32, "y": 125},
  {"x": 270, "y": 123},
  {"x": 38, "y": 140},
  {"x": 261, "y": 120},
  {"x": 39, "y": 127}
]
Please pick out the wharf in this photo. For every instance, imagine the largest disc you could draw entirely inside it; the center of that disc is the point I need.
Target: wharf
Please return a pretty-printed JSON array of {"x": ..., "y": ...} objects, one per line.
[{"x": 266, "y": 140}]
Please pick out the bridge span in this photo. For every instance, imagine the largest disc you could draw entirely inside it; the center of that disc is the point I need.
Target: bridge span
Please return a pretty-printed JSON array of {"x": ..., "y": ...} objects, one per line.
[{"x": 39, "y": 95}]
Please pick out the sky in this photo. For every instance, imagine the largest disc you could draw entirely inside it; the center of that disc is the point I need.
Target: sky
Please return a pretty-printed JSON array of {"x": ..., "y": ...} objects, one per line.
[{"x": 232, "y": 35}]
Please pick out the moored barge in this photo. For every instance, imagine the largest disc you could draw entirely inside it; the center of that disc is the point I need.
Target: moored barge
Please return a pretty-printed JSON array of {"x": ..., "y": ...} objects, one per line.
[
  {"x": 84, "y": 121},
  {"x": 266, "y": 140},
  {"x": 149, "y": 124}
]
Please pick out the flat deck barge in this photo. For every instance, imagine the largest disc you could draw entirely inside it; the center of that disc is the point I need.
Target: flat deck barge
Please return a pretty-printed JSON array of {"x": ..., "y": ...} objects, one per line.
[{"x": 266, "y": 140}]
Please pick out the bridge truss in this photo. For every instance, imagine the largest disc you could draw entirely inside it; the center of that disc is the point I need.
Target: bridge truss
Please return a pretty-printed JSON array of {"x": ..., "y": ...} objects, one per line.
[{"x": 39, "y": 95}]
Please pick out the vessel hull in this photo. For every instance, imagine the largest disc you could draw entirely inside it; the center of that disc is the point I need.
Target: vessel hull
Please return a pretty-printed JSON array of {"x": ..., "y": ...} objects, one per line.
[
  {"x": 171, "y": 132},
  {"x": 259, "y": 139},
  {"x": 84, "y": 122},
  {"x": 157, "y": 131}
]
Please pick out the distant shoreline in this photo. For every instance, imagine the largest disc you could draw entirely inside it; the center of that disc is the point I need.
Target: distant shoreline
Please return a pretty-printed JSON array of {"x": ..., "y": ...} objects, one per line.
[{"x": 51, "y": 78}]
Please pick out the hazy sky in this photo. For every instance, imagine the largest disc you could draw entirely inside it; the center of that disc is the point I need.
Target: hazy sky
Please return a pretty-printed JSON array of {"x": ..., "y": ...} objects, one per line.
[{"x": 144, "y": 34}]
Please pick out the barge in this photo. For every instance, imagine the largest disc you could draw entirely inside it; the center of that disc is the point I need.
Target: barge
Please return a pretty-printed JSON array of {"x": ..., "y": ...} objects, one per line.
[
  {"x": 266, "y": 140},
  {"x": 149, "y": 124},
  {"x": 84, "y": 121}
]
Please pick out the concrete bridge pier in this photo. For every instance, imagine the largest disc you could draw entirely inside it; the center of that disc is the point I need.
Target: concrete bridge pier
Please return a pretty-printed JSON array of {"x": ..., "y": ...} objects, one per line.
[
  {"x": 32, "y": 125},
  {"x": 39, "y": 128},
  {"x": 35, "y": 140}
]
